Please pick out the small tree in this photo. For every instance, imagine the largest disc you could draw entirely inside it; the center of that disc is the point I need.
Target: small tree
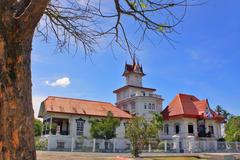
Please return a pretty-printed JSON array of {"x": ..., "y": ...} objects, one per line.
[
  {"x": 37, "y": 127},
  {"x": 139, "y": 131},
  {"x": 221, "y": 111},
  {"x": 104, "y": 128},
  {"x": 232, "y": 129}
]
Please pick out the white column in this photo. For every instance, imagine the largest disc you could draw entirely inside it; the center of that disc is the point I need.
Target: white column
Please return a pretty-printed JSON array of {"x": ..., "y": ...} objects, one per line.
[
  {"x": 176, "y": 143},
  {"x": 165, "y": 146},
  {"x": 191, "y": 145},
  {"x": 50, "y": 127},
  {"x": 149, "y": 147},
  {"x": 72, "y": 146},
  {"x": 42, "y": 128},
  {"x": 94, "y": 145}
]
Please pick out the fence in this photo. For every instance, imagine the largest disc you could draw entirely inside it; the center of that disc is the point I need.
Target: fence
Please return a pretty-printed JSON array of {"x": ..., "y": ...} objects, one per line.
[{"x": 121, "y": 145}]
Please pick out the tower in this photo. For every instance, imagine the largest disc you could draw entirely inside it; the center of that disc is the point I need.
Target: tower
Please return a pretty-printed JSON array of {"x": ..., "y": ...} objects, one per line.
[
  {"x": 133, "y": 74},
  {"x": 133, "y": 97}
]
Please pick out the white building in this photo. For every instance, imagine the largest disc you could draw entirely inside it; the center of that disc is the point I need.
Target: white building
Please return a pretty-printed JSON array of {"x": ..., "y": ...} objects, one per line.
[
  {"x": 185, "y": 116},
  {"x": 188, "y": 118},
  {"x": 71, "y": 119}
]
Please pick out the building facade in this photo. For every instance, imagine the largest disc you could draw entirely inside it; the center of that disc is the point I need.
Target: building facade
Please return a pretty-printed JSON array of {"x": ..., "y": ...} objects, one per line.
[
  {"x": 66, "y": 120},
  {"x": 188, "y": 118}
]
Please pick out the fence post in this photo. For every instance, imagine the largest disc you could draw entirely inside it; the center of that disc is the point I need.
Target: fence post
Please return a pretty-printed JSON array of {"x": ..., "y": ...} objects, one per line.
[
  {"x": 49, "y": 139},
  {"x": 149, "y": 147},
  {"x": 226, "y": 145},
  {"x": 114, "y": 147},
  {"x": 216, "y": 145},
  {"x": 236, "y": 146},
  {"x": 72, "y": 144},
  {"x": 204, "y": 145},
  {"x": 165, "y": 146},
  {"x": 94, "y": 145}
]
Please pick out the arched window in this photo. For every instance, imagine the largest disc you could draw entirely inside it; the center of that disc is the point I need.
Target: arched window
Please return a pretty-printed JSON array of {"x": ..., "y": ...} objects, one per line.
[
  {"x": 177, "y": 128},
  {"x": 166, "y": 129},
  {"x": 80, "y": 127}
]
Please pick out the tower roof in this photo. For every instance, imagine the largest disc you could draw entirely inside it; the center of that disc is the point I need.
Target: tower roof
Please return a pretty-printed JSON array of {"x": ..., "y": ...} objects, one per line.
[{"x": 135, "y": 67}]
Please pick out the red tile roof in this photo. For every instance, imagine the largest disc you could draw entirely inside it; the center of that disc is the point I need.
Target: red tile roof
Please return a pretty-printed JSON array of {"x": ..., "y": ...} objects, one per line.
[
  {"x": 82, "y": 107},
  {"x": 184, "y": 105}
]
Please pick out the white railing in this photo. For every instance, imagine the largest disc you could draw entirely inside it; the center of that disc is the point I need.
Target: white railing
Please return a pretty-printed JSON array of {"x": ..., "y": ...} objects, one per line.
[{"x": 68, "y": 143}]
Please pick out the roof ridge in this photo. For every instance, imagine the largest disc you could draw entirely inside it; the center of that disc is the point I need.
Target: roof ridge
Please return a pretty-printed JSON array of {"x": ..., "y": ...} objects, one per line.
[
  {"x": 180, "y": 101},
  {"x": 78, "y": 99}
]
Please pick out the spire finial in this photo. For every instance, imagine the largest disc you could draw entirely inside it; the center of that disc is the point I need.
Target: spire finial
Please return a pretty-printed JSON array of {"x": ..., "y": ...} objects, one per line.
[{"x": 134, "y": 59}]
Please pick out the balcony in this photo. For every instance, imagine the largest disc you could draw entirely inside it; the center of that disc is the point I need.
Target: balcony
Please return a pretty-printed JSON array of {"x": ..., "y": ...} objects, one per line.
[
  {"x": 58, "y": 126},
  {"x": 145, "y": 95}
]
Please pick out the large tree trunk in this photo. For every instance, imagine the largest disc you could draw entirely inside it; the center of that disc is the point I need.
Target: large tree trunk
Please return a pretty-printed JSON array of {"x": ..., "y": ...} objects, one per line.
[
  {"x": 16, "y": 113},
  {"x": 18, "y": 20}
]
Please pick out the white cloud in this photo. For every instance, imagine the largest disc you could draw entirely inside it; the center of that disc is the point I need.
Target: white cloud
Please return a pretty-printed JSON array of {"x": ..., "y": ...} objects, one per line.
[{"x": 62, "y": 82}]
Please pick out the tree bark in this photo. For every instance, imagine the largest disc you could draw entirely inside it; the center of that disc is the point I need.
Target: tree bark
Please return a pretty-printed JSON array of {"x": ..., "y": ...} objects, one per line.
[{"x": 16, "y": 113}]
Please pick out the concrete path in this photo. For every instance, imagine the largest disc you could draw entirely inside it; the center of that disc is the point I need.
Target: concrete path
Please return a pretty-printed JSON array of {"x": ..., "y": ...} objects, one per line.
[{"x": 49, "y": 155}]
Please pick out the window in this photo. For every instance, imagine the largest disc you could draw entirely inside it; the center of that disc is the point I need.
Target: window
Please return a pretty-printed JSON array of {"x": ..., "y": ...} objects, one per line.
[
  {"x": 133, "y": 106},
  {"x": 143, "y": 93},
  {"x": 190, "y": 129},
  {"x": 153, "y": 106},
  {"x": 145, "y": 105},
  {"x": 210, "y": 128},
  {"x": 149, "y": 106},
  {"x": 80, "y": 127},
  {"x": 177, "y": 128},
  {"x": 166, "y": 129}
]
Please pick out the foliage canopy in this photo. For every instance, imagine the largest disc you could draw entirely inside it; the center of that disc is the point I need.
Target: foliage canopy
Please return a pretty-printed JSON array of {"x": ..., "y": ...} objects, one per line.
[
  {"x": 232, "y": 129},
  {"x": 139, "y": 131},
  {"x": 37, "y": 127},
  {"x": 104, "y": 128}
]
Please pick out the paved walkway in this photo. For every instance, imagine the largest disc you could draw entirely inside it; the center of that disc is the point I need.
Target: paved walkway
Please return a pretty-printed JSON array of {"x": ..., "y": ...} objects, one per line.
[{"x": 49, "y": 155}]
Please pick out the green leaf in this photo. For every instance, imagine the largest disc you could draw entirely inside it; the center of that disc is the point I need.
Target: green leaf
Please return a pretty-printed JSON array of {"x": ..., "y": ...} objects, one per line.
[
  {"x": 143, "y": 5},
  {"x": 133, "y": 4},
  {"x": 161, "y": 29}
]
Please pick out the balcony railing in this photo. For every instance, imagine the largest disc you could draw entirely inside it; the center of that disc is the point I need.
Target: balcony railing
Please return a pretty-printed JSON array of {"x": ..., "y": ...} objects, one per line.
[{"x": 146, "y": 95}]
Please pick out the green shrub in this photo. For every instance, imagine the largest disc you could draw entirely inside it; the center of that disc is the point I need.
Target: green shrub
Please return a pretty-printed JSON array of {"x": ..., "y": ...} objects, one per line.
[{"x": 41, "y": 143}]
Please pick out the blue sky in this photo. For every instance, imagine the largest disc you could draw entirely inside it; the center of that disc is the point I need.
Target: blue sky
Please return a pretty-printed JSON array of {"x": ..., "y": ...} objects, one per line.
[{"x": 204, "y": 62}]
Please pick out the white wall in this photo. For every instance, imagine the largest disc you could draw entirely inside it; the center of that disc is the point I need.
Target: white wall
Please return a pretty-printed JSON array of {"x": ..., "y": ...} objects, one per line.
[
  {"x": 72, "y": 124},
  {"x": 183, "y": 122}
]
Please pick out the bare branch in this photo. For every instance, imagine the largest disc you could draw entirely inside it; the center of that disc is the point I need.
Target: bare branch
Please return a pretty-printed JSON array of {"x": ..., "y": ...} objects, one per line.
[{"x": 74, "y": 23}]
